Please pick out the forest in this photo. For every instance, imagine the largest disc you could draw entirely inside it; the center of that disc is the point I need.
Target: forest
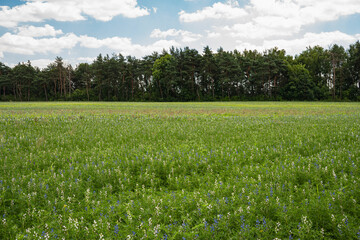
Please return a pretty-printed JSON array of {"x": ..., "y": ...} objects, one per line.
[{"x": 317, "y": 73}]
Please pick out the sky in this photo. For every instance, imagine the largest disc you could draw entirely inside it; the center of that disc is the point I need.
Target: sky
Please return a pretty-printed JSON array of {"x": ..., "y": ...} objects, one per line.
[{"x": 79, "y": 30}]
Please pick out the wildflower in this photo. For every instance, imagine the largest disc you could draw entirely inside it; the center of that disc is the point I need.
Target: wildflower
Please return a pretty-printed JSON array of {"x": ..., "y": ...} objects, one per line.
[
  {"x": 345, "y": 220},
  {"x": 257, "y": 223},
  {"x": 277, "y": 227},
  {"x": 339, "y": 228}
]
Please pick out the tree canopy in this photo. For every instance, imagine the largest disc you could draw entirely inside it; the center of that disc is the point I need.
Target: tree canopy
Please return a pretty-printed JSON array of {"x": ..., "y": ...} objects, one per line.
[{"x": 187, "y": 75}]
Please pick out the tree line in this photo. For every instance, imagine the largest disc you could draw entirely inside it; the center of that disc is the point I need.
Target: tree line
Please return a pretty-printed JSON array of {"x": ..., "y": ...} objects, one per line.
[{"x": 187, "y": 75}]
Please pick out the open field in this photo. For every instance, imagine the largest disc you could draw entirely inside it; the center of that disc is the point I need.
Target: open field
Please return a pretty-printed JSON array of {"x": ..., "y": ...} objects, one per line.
[{"x": 234, "y": 170}]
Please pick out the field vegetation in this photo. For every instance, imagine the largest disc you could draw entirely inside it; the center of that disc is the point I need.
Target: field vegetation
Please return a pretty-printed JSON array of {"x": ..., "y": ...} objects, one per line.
[{"x": 235, "y": 170}]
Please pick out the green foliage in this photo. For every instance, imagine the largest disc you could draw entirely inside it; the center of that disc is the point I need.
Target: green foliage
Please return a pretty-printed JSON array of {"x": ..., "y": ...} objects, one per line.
[
  {"x": 186, "y": 75},
  {"x": 235, "y": 170},
  {"x": 300, "y": 85}
]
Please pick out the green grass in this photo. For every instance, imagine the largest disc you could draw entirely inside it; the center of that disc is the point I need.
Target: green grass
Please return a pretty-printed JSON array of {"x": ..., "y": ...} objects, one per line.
[{"x": 238, "y": 170}]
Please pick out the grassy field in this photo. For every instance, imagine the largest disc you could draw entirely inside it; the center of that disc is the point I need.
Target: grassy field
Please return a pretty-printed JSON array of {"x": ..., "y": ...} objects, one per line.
[{"x": 235, "y": 170}]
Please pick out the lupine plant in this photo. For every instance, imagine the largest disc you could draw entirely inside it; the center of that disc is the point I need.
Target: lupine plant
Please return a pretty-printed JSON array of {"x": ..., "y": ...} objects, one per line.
[{"x": 180, "y": 171}]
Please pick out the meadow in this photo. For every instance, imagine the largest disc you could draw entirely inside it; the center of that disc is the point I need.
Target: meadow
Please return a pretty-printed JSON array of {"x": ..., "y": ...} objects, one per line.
[{"x": 223, "y": 170}]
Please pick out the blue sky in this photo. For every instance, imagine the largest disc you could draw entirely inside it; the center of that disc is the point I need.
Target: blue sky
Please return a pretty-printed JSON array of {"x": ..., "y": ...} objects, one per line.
[{"x": 78, "y": 30}]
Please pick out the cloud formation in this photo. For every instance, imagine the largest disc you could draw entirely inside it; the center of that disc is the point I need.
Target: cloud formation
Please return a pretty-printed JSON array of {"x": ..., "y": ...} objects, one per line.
[
  {"x": 184, "y": 36},
  {"x": 262, "y": 24},
  {"x": 125, "y": 45},
  {"x": 229, "y": 10},
  {"x": 32, "y": 31},
  {"x": 257, "y": 24},
  {"x": 30, "y": 45},
  {"x": 69, "y": 10}
]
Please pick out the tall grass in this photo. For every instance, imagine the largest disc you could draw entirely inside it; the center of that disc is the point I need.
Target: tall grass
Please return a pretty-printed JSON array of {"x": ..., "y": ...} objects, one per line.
[{"x": 179, "y": 171}]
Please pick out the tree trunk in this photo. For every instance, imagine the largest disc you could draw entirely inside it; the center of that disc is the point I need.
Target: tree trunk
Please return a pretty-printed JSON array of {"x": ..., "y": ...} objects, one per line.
[
  {"x": 55, "y": 80},
  {"x": 64, "y": 82},
  {"x": 161, "y": 93},
  {"x": 46, "y": 97},
  {"x": 132, "y": 88},
  {"x": 20, "y": 93},
  {"x": 87, "y": 91},
  {"x": 69, "y": 81},
  {"x": 14, "y": 91},
  {"x": 28, "y": 93},
  {"x": 333, "y": 82},
  {"x": 60, "y": 82},
  {"x": 213, "y": 87}
]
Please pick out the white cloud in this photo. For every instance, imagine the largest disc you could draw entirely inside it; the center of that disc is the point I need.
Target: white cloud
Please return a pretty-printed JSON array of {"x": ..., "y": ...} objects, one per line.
[
  {"x": 264, "y": 19},
  {"x": 86, "y": 59},
  {"x": 323, "y": 39},
  {"x": 113, "y": 43},
  {"x": 32, "y": 31},
  {"x": 305, "y": 12},
  {"x": 302, "y": 11},
  {"x": 263, "y": 24},
  {"x": 229, "y": 10},
  {"x": 69, "y": 10},
  {"x": 296, "y": 46},
  {"x": 37, "y": 12},
  {"x": 185, "y": 36},
  {"x": 41, "y": 63},
  {"x": 125, "y": 45},
  {"x": 211, "y": 34},
  {"x": 28, "y": 45},
  {"x": 260, "y": 30},
  {"x": 44, "y": 62},
  {"x": 260, "y": 24}
]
